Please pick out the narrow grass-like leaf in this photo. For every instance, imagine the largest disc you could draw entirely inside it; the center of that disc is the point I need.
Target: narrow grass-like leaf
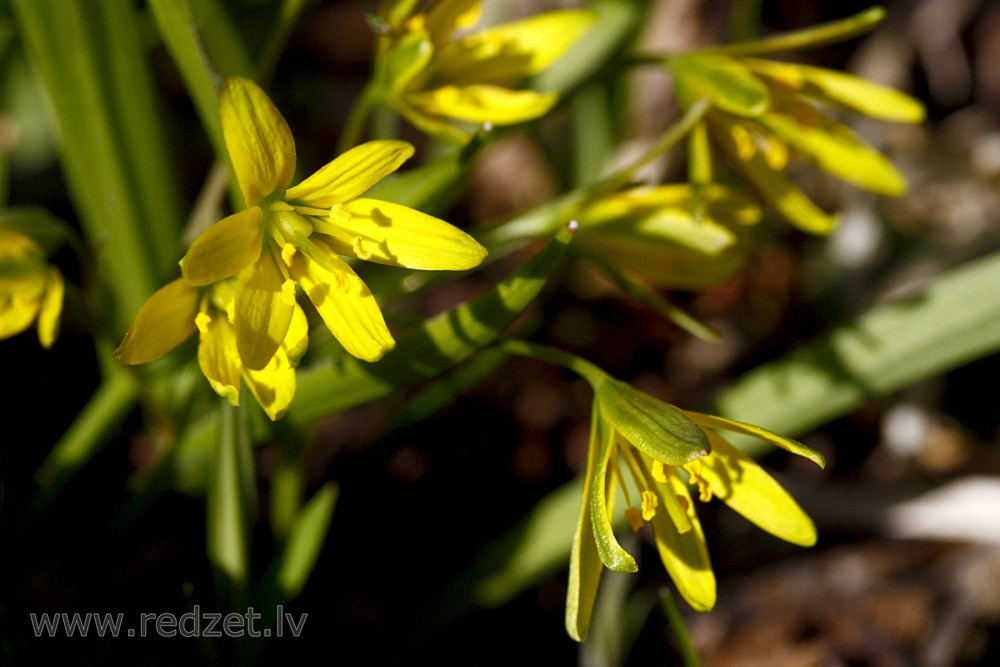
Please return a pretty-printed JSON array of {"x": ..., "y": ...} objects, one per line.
[
  {"x": 90, "y": 59},
  {"x": 305, "y": 540}
]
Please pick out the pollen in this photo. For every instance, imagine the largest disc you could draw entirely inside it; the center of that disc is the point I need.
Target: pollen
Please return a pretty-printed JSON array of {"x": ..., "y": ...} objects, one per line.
[
  {"x": 202, "y": 320},
  {"x": 359, "y": 249},
  {"x": 649, "y": 504},
  {"x": 287, "y": 253}
]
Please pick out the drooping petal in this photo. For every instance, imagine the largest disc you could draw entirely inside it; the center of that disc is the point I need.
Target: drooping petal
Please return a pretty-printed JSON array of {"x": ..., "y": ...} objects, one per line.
[
  {"x": 218, "y": 356},
  {"x": 387, "y": 233},
  {"x": 225, "y": 248},
  {"x": 16, "y": 315},
  {"x": 846, "y": 90},
  {"x": 743, "y": 485},
  {"x": 838, "y": 151},
  {"x": 509, "y": 53},
  {"x": 684, "y": 555},
  {"x": 274, "y": 386},
  {"x": 721, "y": 423},
  {"x": 483, "y": 103},
  {"x": 585, "y": 566},
  {"x": 657, "y": 429},
  {"x": 51, "y": 308},
  {"x": 345, "y": 303},
  {"x": 165, "y": 321},
  {"x": 769, "y": 180},
  {"x": 351, "y": 174},
  {"x": 258, "y": 139},
  {"x": 601, "y": 486},
  {"x": 265, "y": 300}
]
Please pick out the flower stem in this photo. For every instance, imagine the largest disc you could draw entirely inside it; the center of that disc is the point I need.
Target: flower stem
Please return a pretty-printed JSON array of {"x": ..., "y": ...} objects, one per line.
[
  {"x": 688, "y": 654},
  {"x": 578, "y": 365}
]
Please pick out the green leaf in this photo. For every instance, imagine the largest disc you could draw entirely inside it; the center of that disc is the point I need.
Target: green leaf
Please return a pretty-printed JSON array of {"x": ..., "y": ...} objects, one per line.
[
  {"x": 440, "y": 344},
  {"x": 230, "y": 504},
  {"x": 305, "y": 540},
  {"x": 90, "y": 58},
  {"x": 809, "y": 38}
]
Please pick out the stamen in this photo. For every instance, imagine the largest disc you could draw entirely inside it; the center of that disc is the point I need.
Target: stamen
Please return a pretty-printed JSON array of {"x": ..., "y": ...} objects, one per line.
[
  {"x": 633, "y": 518},
  {"x": 649, "y": 504}
]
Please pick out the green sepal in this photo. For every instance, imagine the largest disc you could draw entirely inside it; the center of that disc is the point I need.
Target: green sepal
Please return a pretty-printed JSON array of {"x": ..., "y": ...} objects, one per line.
[{"x": 730, "y": 85}]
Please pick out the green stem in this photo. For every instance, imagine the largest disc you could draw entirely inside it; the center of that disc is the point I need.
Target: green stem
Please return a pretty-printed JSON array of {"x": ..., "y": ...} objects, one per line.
[
  {"x": 357, "y": 121},
  {"x": 578, "y": 365},
  {"x": 673, "y": 613}
]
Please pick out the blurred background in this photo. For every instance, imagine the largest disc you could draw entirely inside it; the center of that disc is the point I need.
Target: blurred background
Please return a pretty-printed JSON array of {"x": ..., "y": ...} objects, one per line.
[{"x": 907, "y": 570}]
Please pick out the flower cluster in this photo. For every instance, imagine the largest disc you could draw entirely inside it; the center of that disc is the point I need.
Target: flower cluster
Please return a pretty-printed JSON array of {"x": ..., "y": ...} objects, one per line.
[
  {"x": 248, "y": 264},
  {"x": 431, "y": 71},
  {"x": 30, "y": 288},
  {"x": 764, "y": 111}
]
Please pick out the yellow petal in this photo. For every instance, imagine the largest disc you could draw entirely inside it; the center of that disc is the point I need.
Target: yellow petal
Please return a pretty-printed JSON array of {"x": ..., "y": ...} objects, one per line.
[
  {"x": 585, "y": 566},
  {"x": 388, "y": 233},
  {"x": 509, "y": 53},
  {"x": 17, "y": 312},
  {"x": 600, "y": 487},
  {"x": 684, "y": 555},
  {"x": 846, "y": 90},
  {"x": 165, "y": 321},
  {"x": 218, "y": 356},
  {"x": 257, "y": 137},
  {"x": 482, "y": 103},
  {"x": 838, "y": 151},
  {"x": 771, "y": 183},
  {"x": 721, "y": 423},
  {"x": 51, "y": 309},
  {"x": 345, "y": 303},
  {"x": 263, "y": 310},
  {"x": 743, "y": 485},
  {"x": 447, "y": 16},
  {"x": 351, "y": 174},
  {"x": 274, "y": 386},
  {"x": 225, "y": 248}
]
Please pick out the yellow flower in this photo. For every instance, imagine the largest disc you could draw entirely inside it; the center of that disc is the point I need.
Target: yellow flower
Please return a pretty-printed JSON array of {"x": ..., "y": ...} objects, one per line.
[
  {"x": 763, "y": 112},
  {"x": 296, "y": 235},
  {"x": 428, "y": 73},
  {"x": 646, "y": 448},
  {"x": 30, "y": 288},
  {"x": 179, "y": 308},
  {"x": 669, "y": 235}
]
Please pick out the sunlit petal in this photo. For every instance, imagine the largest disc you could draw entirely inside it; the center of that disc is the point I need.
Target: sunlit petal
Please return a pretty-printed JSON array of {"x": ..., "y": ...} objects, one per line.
[
  {"x": 218, "y": 356},
  {"x": 351, "y": 174},
  {"x": 601, "y": 486},
  {"x": 51, "y": 308},
  {"x": 511, "y": 52},
  {"x": 743, "y": 485},
  {"x": 164, "y": 322},
  {"x": 346, "y": 305},
  {"x": 585, "y": 566},
  {"x": 387, "y": 233},
  {"x": 483, "y": 103},
  {"x": 447, "y": 16},
  {"x": 774, "y": 186},
  {"x": 265, "y": 300},
  {"x": 258, "y": 139},
  {"x": 225, "y": 248},
  {"x": 684, "y": 555},
  {"x": 846, "y": 90},
  {"x": 274, "y": 386},
  {"x": 836, "y": 150}
]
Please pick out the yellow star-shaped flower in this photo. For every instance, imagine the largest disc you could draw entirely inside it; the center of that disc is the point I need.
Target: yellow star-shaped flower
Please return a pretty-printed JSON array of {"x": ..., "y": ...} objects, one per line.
[
  {"x": 429, "y": 72},
  {"x": 290, "y": 236},
  {"x": 642, "y": 443}
]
